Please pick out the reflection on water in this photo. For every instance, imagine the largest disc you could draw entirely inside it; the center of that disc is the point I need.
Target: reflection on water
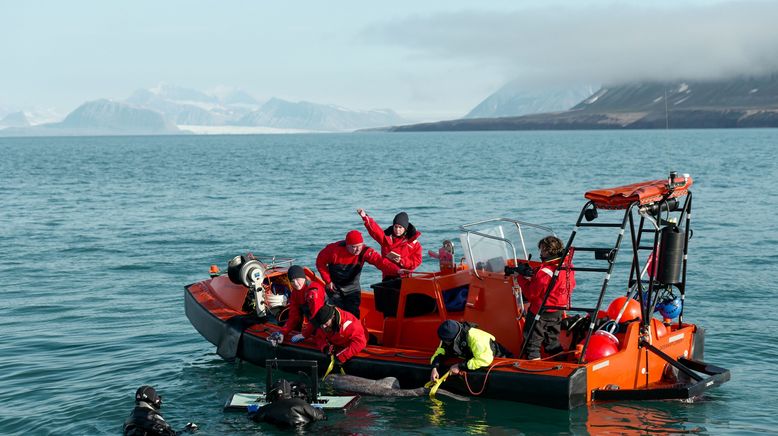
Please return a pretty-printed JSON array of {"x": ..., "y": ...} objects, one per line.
[{"x": 637, "y": 419}]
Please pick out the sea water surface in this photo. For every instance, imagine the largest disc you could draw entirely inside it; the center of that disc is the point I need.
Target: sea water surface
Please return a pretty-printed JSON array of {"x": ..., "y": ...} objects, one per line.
[{"x": 98, "y": 236}]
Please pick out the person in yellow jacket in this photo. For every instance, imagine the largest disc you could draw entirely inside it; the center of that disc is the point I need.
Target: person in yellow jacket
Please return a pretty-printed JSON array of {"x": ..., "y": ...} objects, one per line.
[{"x": 462, "y": 339}]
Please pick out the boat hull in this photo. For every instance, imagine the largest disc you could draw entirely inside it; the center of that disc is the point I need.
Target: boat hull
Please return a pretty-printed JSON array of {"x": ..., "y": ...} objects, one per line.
[{"x": 411, "y": 368}]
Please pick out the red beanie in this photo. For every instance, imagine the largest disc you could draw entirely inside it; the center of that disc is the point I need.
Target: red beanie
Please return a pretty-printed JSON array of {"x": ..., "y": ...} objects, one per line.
[{"x": 354, "y": 237}]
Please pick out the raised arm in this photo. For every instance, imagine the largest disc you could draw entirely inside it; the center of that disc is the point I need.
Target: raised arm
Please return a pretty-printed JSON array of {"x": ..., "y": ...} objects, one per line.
[{"x": 375, "y": 231}]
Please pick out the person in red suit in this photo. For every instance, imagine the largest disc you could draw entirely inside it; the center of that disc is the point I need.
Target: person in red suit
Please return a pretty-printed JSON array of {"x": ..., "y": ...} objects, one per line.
[
  {"x": 533, "y": 283},
  {"x": 399, "y": 242},
  {"x": 339, "y": 333},
  {"x": 340, "y": 265},
  {"x": 307, "y": 297}
]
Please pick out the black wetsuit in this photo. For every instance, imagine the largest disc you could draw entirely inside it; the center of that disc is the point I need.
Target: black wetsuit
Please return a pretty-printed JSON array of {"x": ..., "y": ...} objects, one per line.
[
  {"x": 288, "y": 412},
  {"x": 147, "y": 421}
]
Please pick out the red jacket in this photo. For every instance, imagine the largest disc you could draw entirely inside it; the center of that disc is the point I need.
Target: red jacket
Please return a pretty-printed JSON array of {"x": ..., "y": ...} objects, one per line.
[
  {"x": 407, "y": 246},
  {"x": 336, "y": 265},
  {"x": 534, "y": 288},
  {"x": 348, "y": 339},
  {"x": 304, "y": 304}
]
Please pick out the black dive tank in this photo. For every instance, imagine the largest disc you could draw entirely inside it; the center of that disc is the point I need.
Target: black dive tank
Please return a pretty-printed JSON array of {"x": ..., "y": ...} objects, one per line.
[{"x": 670, "y": 255}]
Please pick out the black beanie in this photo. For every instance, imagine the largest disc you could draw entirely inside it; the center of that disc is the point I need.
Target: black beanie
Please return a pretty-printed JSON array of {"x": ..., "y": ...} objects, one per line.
[
  {"x": 295, "y": 272},
  {"x": 323, "y": 315},
  {"x": 401, "y": 219},
  {"x": 448, "y": 330}
]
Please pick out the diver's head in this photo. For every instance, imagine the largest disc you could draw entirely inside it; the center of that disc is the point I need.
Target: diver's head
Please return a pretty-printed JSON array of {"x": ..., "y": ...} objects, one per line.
[
  {"x": 149, "y": 395},
  {"x": 281, "y": 390}
]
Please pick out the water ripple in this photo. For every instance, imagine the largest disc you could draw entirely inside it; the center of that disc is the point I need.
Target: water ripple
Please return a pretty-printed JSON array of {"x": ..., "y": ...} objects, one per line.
[{"x": 95, "y": 248}]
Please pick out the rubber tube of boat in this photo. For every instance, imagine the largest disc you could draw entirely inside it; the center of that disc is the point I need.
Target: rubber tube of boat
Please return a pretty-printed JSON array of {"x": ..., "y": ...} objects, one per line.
[{"x": 670, "y": 255}]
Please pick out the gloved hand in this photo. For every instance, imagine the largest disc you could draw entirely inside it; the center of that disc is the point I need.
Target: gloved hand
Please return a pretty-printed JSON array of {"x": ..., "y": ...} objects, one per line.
[
  {"x": 297, "y": 338},
  {"x": 275, "y": 338},
  {"x": 524, "y": 269}
]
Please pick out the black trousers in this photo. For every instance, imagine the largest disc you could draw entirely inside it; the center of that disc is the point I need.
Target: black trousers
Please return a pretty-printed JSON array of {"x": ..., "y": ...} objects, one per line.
[
  {"x": 545, "y": 332},
  {"x": 348, "y": 302}
]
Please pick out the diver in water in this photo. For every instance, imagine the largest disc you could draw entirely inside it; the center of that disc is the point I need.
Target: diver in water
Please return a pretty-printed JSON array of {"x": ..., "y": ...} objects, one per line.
[
  {"x": 287, "y": 406},
  {"x": 146, "y": 420}
]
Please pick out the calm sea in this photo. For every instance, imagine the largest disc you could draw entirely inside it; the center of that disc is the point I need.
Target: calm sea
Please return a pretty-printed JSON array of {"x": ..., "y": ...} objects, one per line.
[{"x": 98, "y": 236}]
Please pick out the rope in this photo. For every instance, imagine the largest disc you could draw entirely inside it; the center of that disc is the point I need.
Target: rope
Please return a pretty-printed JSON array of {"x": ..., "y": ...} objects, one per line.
[
  {"x": 434, "y": 385},
  {"x": 516, "y": 365},
  {"x": 332, "y": 365},
  {"x": 486, "y": 378}
]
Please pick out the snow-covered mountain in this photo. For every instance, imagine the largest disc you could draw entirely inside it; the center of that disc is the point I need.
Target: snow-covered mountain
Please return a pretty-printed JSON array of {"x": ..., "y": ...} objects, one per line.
[
  {"x": 15, "y": 119},
  {"x": 742, "y": 101},
  {"x": 112, "y": 115},
  {"x": 280, "y": 113},
  {"x": 184, "y": 106},
  {"x": 739, "y": 92},
  {"x": 515, "y": 98},
  {"x": 228, "y": 109},
  {"x": 224, "y": 110},
  {"x": 101, "y": 117}
]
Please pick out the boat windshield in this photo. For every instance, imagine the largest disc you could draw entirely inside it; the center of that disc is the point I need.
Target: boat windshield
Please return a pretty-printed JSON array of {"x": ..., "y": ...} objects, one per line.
[{"x": 489, "y": 244}]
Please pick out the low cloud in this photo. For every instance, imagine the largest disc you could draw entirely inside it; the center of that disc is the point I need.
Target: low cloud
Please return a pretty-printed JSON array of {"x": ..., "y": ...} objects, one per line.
[{"x": 598, "y": 44}]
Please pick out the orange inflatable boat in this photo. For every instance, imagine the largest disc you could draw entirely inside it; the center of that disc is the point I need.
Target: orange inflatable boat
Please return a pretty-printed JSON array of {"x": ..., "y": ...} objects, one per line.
[{"x": 628, "y": 342}]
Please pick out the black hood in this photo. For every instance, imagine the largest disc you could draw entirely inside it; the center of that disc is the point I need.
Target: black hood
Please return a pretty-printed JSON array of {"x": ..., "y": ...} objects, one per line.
[{"x": 410, "y": 232}]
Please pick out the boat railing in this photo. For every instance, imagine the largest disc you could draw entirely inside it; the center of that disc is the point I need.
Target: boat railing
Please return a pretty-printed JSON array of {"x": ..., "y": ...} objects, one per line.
[
  {"x": 469, "y": 231},
  {"x": 276, "y": 262}
]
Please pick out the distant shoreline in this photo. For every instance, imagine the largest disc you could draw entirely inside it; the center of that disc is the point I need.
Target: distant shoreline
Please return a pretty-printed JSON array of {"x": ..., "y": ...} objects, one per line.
[{"x": 725, "y": 118}]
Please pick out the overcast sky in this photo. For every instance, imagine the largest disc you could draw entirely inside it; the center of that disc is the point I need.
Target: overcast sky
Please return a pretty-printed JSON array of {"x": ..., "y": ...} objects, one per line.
[{"x": 424, "y": 59}]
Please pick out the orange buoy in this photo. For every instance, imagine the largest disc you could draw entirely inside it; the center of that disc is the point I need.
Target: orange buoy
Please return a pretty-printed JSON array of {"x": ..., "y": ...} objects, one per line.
[
  {"x": 631, "y": 312},
  {"x": 660, "y": 330},
  {"x": 609, "y": 336},
  {"x": 600, "y": 346}
]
